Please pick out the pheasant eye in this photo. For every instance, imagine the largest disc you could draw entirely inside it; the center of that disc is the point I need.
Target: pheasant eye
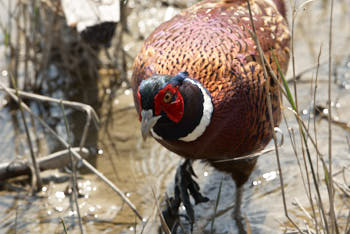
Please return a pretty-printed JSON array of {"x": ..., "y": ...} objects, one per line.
[{"x": 167, "y": 97}]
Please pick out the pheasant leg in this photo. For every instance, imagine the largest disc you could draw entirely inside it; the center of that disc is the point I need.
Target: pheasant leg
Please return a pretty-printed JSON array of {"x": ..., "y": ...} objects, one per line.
[
  {"x": 237, "y": 211},
  {"x": 184, "y": 187}
]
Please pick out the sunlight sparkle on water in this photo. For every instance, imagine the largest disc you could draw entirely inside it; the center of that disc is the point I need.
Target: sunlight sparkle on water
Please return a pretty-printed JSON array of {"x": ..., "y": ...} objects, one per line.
[
  {"x": 3, "y": 102},
  {"x": 127, "y": 92},
  {"x": 87, "y": 182},
  {"x": 60, "y": 194},
  {"x": 270, "y": 175},
  {"x": 4, "y": 73},
  {"x": 59, "y": 208},
  {"x": 256, "y": 182},
  {"x": 71, "y": 213}
]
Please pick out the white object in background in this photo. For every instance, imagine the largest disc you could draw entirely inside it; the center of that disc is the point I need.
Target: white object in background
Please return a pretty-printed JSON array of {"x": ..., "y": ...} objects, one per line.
[{"x": 86, "y": 13}]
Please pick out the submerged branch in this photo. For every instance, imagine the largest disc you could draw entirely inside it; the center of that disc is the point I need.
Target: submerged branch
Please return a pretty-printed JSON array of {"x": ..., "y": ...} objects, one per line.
[{"x": 56, "y": 160}]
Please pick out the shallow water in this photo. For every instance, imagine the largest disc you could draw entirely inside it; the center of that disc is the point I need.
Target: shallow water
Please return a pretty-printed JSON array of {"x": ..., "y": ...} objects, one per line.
[{"x": 142, "y": 169}]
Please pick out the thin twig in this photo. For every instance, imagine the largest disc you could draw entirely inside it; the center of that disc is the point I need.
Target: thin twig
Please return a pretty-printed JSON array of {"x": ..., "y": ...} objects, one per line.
[
  {"x": 297, "y": 203},
  {"x": 29, "y": 140},
  {"x": 315, "y": 92},
  {"x": 306, "y": 188},
  {"x": 301, "y": 123},
  {"x": 64, "y": 225},
  {"x": 216, "y": 207},
  {"x": 303, "y": 139},
  {"x": 163, "y": 223},
  {"x": 298, "y": 76},
  {"x": 315, "y": 128},
  {"x": 53, "y": 161},
  {"x": 74, "y": 170},
  {"x": 347, "y": 226},
  {"x": 334, "y": 226}
]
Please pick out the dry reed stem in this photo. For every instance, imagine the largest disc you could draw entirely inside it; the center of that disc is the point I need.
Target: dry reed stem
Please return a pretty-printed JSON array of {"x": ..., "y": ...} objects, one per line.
[
  {"x": 152, "y": 216},
  {"x": 306, "y": 188},
  {"x": 347, "y": 226},
  {"x": 55, "y": 160},
  {"x": 315, "y": 128},
  {"x": 74, "y": 170},
  {"x": 216, "y": 207},
  {"x": 35, "y": 166},
  {"x": 294, "y": 14},
  {"x": 161, "y": 217},
  {"x": 309, "y": 191},
  {"x": 300, "y": 122},
  {"x": 314, "y": 102},
  {"x": 334, "y": 225},
  {"x": 300, "y": 206}
]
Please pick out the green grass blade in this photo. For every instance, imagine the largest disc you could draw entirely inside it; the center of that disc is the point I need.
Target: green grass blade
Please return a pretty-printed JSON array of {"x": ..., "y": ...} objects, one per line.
[
  {"x": 285, "y": 84},
  {"x": 216, "y": 207}
]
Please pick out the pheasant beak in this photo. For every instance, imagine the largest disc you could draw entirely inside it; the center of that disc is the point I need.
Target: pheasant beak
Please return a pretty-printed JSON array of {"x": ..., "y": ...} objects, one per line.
[{"x": 147, "y": 122}]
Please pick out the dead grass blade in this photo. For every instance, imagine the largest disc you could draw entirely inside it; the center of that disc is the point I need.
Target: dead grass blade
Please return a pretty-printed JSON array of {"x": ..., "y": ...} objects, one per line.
[
  {"x": 38, "y": 183},
  {"x": 216, "y": 207},
  {"x": 334, "y": 225},
  {"x": 74, "y": 170},
  {"x": 162, "y": 220}
]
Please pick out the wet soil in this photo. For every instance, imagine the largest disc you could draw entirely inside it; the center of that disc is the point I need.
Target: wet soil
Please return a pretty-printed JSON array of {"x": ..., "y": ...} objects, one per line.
[{"x": 145, "y": 170}]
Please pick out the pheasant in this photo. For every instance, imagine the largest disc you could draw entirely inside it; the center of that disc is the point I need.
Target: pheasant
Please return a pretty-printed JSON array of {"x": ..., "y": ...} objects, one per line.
[{"x": 199, "y": 89}]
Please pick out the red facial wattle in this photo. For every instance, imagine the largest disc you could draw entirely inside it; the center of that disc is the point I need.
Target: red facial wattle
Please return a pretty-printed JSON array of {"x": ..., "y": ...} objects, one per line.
[
  {"x": 174, "y": 110},
  {"x": 139, "y": 98}
]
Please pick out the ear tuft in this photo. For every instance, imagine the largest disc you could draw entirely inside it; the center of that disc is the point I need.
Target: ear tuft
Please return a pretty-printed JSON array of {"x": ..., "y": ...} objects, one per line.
[
  {"x": 183, "y": 74},
  {"x": 178, "y": 79}
]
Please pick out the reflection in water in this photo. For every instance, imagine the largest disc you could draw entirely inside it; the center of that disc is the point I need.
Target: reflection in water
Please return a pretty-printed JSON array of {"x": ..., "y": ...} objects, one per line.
[{"x": 143, "y": 168}]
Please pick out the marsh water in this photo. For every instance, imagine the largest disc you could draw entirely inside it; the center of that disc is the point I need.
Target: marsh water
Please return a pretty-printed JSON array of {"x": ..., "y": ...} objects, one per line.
[{"x": 145, "y": 170}]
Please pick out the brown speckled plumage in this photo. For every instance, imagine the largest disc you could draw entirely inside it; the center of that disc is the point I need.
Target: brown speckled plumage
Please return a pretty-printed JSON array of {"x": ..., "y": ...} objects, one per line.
[{"x": 211, "y": 41}]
